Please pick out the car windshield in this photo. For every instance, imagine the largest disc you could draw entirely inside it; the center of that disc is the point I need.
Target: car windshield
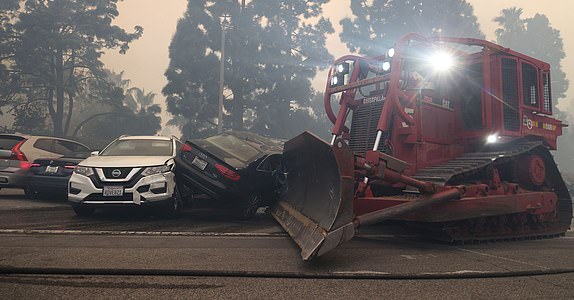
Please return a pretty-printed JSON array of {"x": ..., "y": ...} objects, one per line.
[
  {"x": 134, "y": 147},
  {"x": 233, "y": 147}
]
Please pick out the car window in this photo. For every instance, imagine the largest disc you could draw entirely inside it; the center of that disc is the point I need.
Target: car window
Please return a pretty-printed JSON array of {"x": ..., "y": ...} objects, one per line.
[
  {"x": 139, "y": 148},
  {"x": 67, "y": 147},
  {"x": 233, "y": 147},
  {"x": 8, "y": 142},
  {"x": 44, "y": 144},
  {"x": 81, "y": 154}
]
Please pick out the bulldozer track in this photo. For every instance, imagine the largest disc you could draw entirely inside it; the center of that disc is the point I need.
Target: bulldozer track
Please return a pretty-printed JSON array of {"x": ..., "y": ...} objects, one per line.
[
  {"x": 470, "y": 163},
  {"x": 503, "y": 227},
  {"x": 507, "y": 229}
]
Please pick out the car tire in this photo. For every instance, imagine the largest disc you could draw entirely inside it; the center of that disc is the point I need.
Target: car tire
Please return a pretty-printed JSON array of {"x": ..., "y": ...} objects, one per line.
[
  {"x": 249, "y": 206},
  {"x": 30, "y": 193},
  {"x": 175, "y": 206},
  {"x": 83, "y": 211}
]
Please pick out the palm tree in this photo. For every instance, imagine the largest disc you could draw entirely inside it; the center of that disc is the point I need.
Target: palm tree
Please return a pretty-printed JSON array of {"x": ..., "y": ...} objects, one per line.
[
  {"x": 512, "y": 27},
  {"x": 140, "y": 98}
]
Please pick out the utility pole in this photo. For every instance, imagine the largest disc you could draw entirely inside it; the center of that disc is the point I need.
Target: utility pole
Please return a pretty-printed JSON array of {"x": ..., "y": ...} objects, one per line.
[{"x": 221, "y": 75}]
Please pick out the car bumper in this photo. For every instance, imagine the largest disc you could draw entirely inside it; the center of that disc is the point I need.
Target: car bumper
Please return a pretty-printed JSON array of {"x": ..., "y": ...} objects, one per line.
[
  {"x": 50, "y": 184},
  {"x": 149, "y": 190},
  {"x": 12, "y": 179}
]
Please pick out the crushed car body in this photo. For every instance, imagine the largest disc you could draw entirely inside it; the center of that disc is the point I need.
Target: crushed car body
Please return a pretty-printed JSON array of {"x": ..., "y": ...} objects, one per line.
[{"x": 238, "y": 168}]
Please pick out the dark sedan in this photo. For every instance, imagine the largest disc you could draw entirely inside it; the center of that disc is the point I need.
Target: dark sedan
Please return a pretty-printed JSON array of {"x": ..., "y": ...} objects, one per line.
[
  {"x": 49, "y": 176},
  {"x": 238, "y": 168}
]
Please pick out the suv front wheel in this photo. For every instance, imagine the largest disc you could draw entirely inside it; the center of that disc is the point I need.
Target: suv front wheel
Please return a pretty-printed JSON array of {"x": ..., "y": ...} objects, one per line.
[{"x": 174, "y": 206}]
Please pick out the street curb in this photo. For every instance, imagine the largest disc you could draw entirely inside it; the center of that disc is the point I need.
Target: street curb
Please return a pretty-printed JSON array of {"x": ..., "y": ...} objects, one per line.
[
  {"x": 359, "y": 275},
  {"x": 141, "y": 233},
  {"x": 47, "y": 208}
]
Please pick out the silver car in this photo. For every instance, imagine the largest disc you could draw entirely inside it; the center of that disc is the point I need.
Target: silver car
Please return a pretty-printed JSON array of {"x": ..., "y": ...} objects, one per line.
[{"x": 17, "y": 152}]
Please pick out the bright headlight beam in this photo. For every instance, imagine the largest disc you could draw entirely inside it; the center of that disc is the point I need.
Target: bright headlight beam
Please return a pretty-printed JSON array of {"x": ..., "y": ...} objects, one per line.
[
  {"x": 391, "y": 52},
  {"x": 386, "y": 66},
  {"x": 493, "y": 138},
  {"x": 334, "y": 80},
  {"x": 442, "y": 61}
]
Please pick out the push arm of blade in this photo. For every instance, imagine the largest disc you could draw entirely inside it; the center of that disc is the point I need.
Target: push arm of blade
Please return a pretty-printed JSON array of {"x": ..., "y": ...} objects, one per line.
[
  {"x": 408, "y": 207},
  {"x": 378, "y": 166}
]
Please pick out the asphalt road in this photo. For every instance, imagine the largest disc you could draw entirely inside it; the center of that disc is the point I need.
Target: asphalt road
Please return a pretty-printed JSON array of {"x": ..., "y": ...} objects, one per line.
[{"x": 47, "y": 252}]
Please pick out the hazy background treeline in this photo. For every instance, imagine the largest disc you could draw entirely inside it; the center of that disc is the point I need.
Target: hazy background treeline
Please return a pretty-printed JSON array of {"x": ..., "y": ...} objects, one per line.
[{"x": 53, "y": 80}]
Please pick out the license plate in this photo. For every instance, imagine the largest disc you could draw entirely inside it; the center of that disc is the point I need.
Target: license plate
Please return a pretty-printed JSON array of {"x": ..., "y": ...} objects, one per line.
[
  {"x": 52, "y": 169},
  {"x": 113, "y": 191},
  {"x": 200, "y": 163}
]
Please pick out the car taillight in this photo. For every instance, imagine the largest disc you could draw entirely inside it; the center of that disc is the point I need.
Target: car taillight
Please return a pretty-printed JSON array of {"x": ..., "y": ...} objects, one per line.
[
  {"x": 227, "y": 172},
  {"x": 69, "y": 167},
  {"x": 25, "y": 165},
  {"x": 35, "y": 165},
  {"x": 186, "y": 148},
  {"x": 17, "y": 154}
]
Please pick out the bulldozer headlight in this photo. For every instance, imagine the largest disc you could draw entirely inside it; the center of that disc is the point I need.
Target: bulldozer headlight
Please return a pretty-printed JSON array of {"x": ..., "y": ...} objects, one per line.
[
  {"x": 337, "y": 80},
  {"x": 342, "y": 68},
  {"x": 442, "y": 61},
  {"x": 386, "y": 66},
  {"x": 493, "y": 138}
]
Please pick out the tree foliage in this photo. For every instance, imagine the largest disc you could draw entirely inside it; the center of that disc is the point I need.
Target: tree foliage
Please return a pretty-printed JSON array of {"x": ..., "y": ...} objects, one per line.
[
  {"x": 272, "y": 51},
  {"x": 128, "y": 110},
  {"x": 56, "y": 45},
  {"x": 376, "y": 25},
  {"x": 8, "y": 39},
  {"x": 537, "y": 38}
]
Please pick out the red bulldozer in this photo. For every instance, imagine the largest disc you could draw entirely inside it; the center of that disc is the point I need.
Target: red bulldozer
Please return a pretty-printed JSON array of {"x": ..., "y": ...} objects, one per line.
[{"x": 451, "y": 134}]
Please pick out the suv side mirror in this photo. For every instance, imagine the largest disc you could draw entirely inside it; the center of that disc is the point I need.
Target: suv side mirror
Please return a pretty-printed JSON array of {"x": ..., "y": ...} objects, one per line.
[{"x": 94, "y": 153}]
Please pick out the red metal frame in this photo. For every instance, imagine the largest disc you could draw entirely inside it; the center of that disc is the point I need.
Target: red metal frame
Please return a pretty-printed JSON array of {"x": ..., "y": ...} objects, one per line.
[{"x": 422, "y": 145}]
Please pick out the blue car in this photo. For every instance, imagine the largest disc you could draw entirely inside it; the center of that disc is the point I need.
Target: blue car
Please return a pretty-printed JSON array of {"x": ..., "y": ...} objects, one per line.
[{"x": 48, "y": 177}]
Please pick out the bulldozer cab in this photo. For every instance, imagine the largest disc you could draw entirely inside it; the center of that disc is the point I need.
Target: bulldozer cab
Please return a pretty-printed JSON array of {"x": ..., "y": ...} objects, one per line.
[{"x": 445, "y": 91}]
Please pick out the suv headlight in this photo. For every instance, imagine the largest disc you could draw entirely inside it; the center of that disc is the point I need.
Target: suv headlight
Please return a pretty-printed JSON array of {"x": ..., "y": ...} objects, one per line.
[
  {"x": 156, "y": 170},
  {"x": 86, "y": 171}
]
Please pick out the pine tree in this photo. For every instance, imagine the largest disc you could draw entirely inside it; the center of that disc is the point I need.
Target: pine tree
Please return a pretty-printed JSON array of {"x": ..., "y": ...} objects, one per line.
[
  {"x": 58, "y": 45},
  {"x": 272, "y": 51},
  {"x": 537, "y": 38},
  {"x": 376, "y": 25}
]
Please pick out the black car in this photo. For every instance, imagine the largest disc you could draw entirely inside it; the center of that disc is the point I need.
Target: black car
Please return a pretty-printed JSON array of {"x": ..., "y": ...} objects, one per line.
[
  {"x": 49, "y": 176},
  {"x": 236, "y": 167}
]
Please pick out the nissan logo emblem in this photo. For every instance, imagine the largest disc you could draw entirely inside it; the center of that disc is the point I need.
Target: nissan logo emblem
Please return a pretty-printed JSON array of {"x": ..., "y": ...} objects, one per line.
[{"x": 116, "y": 173}]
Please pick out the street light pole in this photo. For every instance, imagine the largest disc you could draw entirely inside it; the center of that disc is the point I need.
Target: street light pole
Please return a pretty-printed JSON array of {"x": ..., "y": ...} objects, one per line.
[{"x": 221, "y": 76}]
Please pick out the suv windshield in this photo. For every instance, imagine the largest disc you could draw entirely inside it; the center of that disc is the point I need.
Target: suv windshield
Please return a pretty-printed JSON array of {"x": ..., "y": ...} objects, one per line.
[{"x": 138, "y": 148}]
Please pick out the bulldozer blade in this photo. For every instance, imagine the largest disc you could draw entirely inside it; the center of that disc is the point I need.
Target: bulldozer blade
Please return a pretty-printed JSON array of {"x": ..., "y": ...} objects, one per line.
[{"x": 317, "y": 206}]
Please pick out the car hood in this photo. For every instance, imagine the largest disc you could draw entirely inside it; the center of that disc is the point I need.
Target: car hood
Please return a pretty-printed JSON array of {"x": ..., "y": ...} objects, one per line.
[{"x": 124, "y": 161}]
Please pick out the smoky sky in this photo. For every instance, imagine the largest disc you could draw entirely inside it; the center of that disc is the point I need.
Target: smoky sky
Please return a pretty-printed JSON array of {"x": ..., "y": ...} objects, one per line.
[{"x": 147, "y": 59}]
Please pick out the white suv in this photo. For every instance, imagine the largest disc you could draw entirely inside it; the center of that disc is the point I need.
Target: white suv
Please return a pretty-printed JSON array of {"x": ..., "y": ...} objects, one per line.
[{"x": 130, "y": 171}]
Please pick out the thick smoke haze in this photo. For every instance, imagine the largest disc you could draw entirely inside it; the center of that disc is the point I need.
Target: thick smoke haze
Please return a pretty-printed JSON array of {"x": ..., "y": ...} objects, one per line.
[{"x": 147, "y": 59}]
